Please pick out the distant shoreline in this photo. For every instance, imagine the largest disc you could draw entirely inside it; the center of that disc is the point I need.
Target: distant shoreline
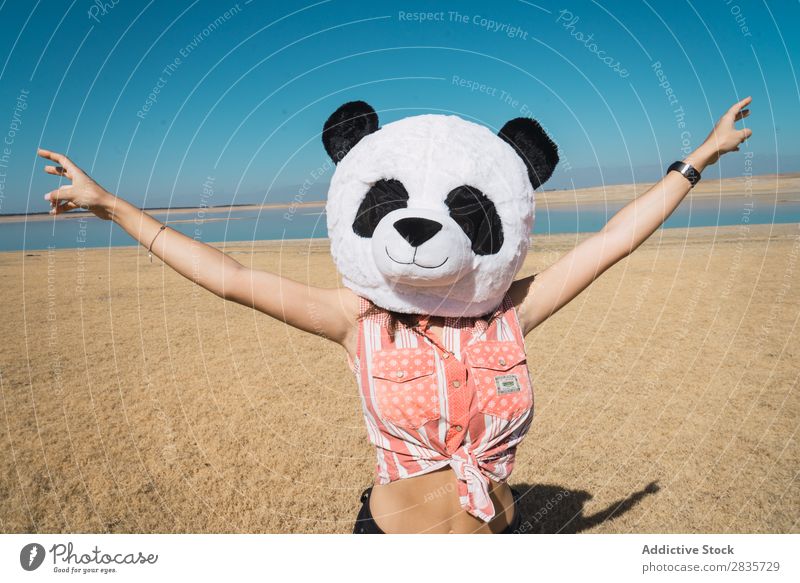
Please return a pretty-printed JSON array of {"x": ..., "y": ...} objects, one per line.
[
  {"x": 778, "y": 187},
  {"x": 180, "y": 210}
]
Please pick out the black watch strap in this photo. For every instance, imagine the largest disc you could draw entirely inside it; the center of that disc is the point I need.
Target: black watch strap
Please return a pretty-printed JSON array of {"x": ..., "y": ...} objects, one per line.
[{"x": 688, "y": 171}]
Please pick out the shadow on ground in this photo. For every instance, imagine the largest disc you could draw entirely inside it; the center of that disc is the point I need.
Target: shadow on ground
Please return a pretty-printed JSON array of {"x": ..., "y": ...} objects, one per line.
[{"x": 550, "y": 509}]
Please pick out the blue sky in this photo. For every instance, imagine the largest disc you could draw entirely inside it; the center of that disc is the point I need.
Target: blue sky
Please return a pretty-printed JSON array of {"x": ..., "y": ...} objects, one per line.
[{"x": 244, "y": 88}]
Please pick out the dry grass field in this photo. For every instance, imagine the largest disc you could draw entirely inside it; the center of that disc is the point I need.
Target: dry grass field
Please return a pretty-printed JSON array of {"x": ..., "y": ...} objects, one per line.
[{"x": 666, "y": 396}]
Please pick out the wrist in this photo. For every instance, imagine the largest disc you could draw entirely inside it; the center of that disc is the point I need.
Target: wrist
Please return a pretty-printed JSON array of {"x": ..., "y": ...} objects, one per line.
[
  {"x": 113, "y": 206},
  {"x": 700, "y": 158}
]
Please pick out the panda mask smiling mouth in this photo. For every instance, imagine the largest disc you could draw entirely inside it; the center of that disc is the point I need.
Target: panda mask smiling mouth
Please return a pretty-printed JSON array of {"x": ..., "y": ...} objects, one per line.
[
  {"x": 414, "y": 260},
  {"x": 432, "y": 213},
  {"x": 416, "y": 231},
  {"x": 420, "y": 247}
]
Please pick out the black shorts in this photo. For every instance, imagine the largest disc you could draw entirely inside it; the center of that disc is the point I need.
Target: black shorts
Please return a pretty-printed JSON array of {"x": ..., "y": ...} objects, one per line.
[{"x": 365, "y": 523}]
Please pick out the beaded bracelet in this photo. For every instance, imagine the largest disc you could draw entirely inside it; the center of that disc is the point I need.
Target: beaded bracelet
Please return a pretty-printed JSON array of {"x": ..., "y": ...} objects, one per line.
[{"x": 150, "y": 248}]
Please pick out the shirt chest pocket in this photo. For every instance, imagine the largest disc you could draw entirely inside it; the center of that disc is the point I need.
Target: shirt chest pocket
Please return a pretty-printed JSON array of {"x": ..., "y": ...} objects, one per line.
[
  {"x": 406, "y": 387},
  {"x": 500, "y": 374}
]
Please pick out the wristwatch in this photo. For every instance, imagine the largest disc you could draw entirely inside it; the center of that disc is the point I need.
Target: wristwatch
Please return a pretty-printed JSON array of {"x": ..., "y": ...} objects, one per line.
[{"x": 688, "y": 171}]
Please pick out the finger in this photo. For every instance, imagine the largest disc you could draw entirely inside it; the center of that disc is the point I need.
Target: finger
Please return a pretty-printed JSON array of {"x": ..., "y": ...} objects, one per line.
[
  {"x": 742, "y": 114},
  {"x": 745, "y": 133},
  {"x": 63, "y": 208},
  {"x": 739, "y": 105},
  {"x": 69, "y": 165},
  {"x": 57, "y": 170},
  {"x": 59, "y": 194}
]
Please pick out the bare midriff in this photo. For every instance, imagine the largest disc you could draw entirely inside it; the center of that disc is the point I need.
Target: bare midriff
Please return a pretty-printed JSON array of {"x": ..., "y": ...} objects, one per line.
[{"x": 429, "y": 503}]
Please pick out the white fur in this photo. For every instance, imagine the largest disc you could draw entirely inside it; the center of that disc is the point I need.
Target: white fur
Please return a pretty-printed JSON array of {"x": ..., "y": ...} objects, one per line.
[{"x": 431, "y": 155}]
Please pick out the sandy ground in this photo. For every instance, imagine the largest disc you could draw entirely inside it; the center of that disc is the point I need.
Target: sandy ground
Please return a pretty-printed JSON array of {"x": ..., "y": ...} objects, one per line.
[{"x": 132, "y": 401}]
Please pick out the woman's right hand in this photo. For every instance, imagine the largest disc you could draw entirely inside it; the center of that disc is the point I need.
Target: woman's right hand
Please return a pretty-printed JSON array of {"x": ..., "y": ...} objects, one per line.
[{"x": 83, "y": 193}]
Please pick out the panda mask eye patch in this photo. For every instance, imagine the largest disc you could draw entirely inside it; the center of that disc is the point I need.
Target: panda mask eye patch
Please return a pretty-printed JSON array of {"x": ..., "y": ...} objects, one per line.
[
  {"x": 385, "y": 196},
  {"x": 478, "y": 218}
]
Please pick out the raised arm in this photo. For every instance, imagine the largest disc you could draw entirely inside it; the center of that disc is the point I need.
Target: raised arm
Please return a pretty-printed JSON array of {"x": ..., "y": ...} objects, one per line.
[
  {"x": 330, "y": 313},
  {"x": 540, "y": 296}
]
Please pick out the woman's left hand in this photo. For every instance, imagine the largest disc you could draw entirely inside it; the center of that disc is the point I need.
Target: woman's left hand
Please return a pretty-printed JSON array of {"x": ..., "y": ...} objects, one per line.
[{"x": 725, "y": 137}]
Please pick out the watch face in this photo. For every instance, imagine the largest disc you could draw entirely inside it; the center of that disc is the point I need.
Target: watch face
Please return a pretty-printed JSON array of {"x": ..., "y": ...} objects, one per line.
[{"x": 691, "y": 174}]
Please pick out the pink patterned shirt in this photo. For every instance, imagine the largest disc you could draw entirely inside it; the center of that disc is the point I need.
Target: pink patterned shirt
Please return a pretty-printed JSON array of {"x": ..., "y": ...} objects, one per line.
[{"x": 466, "y": 401}]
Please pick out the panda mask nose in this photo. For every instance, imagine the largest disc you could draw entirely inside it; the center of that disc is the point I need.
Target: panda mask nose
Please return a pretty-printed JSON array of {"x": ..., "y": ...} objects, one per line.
[{"x": 417, "y": 230}]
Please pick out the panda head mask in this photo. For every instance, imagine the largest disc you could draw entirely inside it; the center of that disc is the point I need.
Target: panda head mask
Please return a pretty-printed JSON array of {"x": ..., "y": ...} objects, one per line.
[{"x": 432, "y": 214}]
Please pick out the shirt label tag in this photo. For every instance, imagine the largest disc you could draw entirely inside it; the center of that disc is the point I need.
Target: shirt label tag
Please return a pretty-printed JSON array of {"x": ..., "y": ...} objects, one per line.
[{"x": 507, "y": 383}]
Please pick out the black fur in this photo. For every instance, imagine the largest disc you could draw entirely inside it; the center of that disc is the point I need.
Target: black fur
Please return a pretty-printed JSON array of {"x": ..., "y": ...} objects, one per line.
[
  {"x": 534, "y": 146},
  {"x": 346, "y": 126},
  {"x": 478, "y": 218},
  {"x": 384, "y": 197}
]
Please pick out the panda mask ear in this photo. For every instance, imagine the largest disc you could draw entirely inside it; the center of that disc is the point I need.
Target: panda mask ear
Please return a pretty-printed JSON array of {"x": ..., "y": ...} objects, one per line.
[
  {"x": 534, "y": 146},
  {"x": 346, "y": 126}
]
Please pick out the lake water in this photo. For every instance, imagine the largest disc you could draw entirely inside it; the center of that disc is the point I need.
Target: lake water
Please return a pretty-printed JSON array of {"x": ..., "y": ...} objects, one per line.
[{"x": 309, "y": 222}]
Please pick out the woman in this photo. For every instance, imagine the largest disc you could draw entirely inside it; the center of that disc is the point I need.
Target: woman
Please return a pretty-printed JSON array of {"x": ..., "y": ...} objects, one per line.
[{"x": 433, "y": 501}]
